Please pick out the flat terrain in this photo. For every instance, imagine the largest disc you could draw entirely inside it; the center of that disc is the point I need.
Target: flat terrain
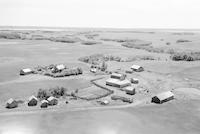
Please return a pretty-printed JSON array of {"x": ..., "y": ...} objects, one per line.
[{"x": 179, "y": 116}]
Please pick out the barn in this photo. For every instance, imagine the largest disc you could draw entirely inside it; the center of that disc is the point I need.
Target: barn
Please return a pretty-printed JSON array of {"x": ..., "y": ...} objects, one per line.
[
  {"x": 26, "y": 71},
  {"x": 163, "y": 97},
  {"x": 52, "y": 101},
  {"x": 118, "y": 76},
  {"x": 118, "y": 83},
  {"x": 32, "y": 101},
  {"x": 11, "y": 103},
  {"x": 130, "y": 90},
  {"x": 44, "y": 104},
  {"x": 137, "y": 68}
]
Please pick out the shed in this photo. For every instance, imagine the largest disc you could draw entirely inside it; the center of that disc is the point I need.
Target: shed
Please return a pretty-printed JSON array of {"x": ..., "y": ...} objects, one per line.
[
  {"x": 118, "y": 83},
  {"x": 130, "y": 90},
  {"x": 11, "y": 103},
  {"x": 163, "y": 97},
  {"x": 137, "y": 68},
  {"x": 44, "y": 104},
  {"x": 104, "y": 102},
  {"x": 118, "y": 76},
  {"x": 52, "y": 101},
  {"x": 26, "y": 71},
  {"x": 32, "y": 101},
  {"x": 134, "y": 81}
]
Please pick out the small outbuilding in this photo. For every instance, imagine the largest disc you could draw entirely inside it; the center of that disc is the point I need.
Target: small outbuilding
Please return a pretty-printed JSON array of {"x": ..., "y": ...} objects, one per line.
[
  {"x": 163, "y": 97},
  {"x": 11, "y": 103},
  {"x": 118, "y": 76},
  {"x": 26, "y": 71},
  {"x": 52, "y": 101},
  {"x": 137, "y": 68},
  {"x": 104, "y": 102},
  {"x": 134, "y": 81},
  {"x": 32, "y": 101},
  {"x": 118, "y": 83},
  {"x": 44, "y": 104},
  {"x": 130, "y": 90}
]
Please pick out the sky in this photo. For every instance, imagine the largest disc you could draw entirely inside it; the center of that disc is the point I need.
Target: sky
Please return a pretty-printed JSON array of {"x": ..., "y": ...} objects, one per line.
[{"x": 101, "y": 13}]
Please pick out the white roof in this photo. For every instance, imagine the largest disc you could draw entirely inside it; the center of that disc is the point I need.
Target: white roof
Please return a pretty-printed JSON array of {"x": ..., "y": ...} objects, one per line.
[
  {"x": 26, "y": 70},
  {"x": 129, "y": 88},
  {"x": 116, "y": 74},
  {"x": 135, "y": 67},
  {"x": 44, "y": 101},
  {"x": 32, "y": 97},
  {"x": 51, "y": 98},
  {"x": 116, "y": 81},
  {"x": 165, "y": 95},
  {"x": 10, "y": 101},
  {"x": 60, "y": 67}
]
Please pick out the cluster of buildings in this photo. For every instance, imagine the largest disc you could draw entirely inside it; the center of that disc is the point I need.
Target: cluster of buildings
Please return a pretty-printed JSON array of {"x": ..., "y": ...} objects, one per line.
[
  {"x": 33, "y": 101},
  {"x": 53, "y": 68},
  {"x": 119, "y": 80}
]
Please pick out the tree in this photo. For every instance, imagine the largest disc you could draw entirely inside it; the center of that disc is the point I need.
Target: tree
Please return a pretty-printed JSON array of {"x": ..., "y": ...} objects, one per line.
[{"x": 104, "y": 66}]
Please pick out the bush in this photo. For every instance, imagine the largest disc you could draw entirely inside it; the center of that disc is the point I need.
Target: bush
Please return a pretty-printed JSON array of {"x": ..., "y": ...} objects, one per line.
[
  {"x": 5, "y": 35},
  {"x": 55, "y": 92},
  {"x": 182, "y": 41},
  {"x": 90, "y": 42},
  {"x": 189, "y": 56}
]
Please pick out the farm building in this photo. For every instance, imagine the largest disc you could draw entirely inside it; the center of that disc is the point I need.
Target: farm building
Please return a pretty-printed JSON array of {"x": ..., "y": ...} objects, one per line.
[
  {"x": 44, "y": 104},
  {"x": 118, "y": 83},
  {"x": 118, "y": 76},
  {"x": 137, "y": 68},
  {"x": 163, "y": 97},
  {"x": 130, "y": 90},
  {"x": 26, "y": 71},
  {"x": 60, "y": 67},
  {"x": 52, "y": 101},
  {"x": 11, "y": 103},
  {"x": 32, "y": 101},
  {"x": 134, "y": 81}
]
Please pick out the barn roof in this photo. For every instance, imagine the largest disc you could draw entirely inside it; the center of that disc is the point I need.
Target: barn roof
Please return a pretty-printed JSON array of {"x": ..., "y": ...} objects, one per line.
[
  {"x": 44, "y": 101},
  {"x": 11, "y": 100},
  {"x": 164, "y": 95},
  {"x": 32, "y": 97},
  {"x": 129, "y": 88},
  {"x": 116, "y": 81},
  {"x": 116, "y": 75},
  {"x": 51, "y": 98},
  {"x": 135, "y": 67}
]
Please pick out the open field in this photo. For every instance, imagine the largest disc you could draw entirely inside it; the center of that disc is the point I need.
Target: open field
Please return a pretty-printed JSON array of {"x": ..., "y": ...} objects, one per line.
[{"x": 151, "y": 49}]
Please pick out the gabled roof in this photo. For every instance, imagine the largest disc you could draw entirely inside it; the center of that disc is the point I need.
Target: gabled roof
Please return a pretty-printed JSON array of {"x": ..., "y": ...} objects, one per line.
[
  {"x": 129, "y": 88},
  {"x": 11, "y": 100},
  {"x": 164, "y": 95},
  {"x": 51, "y": 98},
  {"x": 116, "y": 81},
  {"x": 26, "y": 70},
  {"x": 116, "y": 74},
  {"x": 44, "y": 101},
  {"x": 135, "y": 67},
  {"x": 32, "y": 97}
]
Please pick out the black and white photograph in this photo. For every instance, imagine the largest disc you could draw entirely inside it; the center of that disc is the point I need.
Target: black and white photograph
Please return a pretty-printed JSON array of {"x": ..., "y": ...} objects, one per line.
[{"x": 99, "y": 67}]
